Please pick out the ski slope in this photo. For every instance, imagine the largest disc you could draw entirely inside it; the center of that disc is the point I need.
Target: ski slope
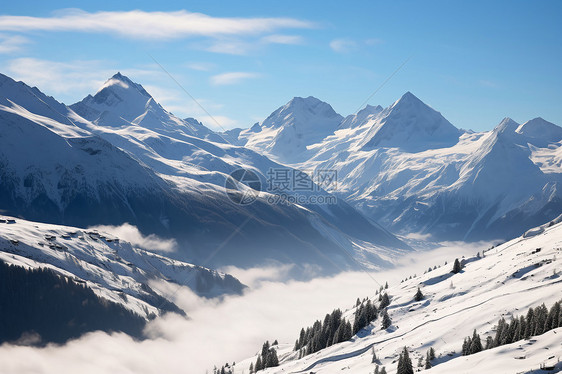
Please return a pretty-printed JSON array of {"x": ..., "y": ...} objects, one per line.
[{"x": 505, "y": 282}]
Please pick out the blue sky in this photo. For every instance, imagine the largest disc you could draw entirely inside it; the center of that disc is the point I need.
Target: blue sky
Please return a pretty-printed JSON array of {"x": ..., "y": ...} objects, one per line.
[{"x": 475, "y": 62}]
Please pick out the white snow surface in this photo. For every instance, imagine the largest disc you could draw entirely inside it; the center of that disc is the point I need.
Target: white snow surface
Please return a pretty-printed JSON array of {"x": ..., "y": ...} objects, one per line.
[
  {"x": 505, "y": 282},
  {"x": 112, "y": 268}
]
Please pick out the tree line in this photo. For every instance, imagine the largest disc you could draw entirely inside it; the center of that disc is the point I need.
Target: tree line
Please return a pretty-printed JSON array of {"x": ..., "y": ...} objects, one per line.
[
  {"x": 536, "y": 322},
  {"x": 55, "y": 308}
]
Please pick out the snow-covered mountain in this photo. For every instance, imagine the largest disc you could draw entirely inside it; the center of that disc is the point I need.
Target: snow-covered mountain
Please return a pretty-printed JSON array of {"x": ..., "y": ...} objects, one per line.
[
  {"x": 120, "y": 103},
  {"x": 111, "y": 267},
  {"x": 500, "y": 282},
  {"x": 288, "y": 131},
  {"x": 134, "y": 162},
  {"x": 411, "y": 170}
]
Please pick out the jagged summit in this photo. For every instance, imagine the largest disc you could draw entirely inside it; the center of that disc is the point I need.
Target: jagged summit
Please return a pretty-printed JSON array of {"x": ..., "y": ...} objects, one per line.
[
  {"x": 411, "y": 125},
  {"x": 507, "y": 125},
  {"x": 358, "y": 119}
]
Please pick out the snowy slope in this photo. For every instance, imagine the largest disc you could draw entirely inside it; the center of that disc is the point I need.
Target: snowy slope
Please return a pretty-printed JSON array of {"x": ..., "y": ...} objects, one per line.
[
  {"x": 159, "y": 177},
  {"x": 113, "y": 268},
  {"x": 509, "y": 279}
]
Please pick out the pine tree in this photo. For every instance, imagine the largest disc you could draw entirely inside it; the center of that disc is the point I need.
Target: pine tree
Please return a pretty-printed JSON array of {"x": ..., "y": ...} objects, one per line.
[
  {"x": 541, "y": 314},
  {"x": 457, "y": 267},
  {"x": 489, "y": 342},
  {"x": 258, "y": 365},
  {"x": 251, "y": 368},
  {"x": 272, "y": 359},
  {"x": 386, "y": 285},
  {"x": 404, "y": 363},
  {"x": 376, "y": 370},
  {"x": 386, "y": 321},
  {"x": 265, "y": 349},
  {"x": 385, "y": 301},
  {"x": 476, "y": 344},
  {"x": 552, "y": 318},
  {"x": 374, "y": 358},
  {"x": 529, "y": 323},
  {"x": 466, "y": 346},
  {"x": 431, "y": 353},
  {"x": 419, "y": 295},
  {"x": 427, "y": 361},
  {"x": 383, "y": 370}
]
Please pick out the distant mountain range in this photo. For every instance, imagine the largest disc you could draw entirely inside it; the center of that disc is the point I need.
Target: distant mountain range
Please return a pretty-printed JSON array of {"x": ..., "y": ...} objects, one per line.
[
  {"x": 412, "y": 171},
  {"x": 118, "y": 156}
]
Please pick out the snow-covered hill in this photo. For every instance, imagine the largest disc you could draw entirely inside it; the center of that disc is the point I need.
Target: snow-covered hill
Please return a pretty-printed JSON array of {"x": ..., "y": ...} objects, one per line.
[
  {"x": 111, "y": 267},
  {"x": 134, "y": 162},
  {"x": 411, "y": 170},
  {"x": 504, "y": 281}
]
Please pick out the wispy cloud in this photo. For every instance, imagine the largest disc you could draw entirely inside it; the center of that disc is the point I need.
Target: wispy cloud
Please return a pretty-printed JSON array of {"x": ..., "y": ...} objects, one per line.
[
  {"x": 12, "y": 43},
  {"x": 77, "y": 76},
  {"x": 343, "y": 45},
  {"x": 282, "y": 39},
  {"x": 149, "y": 25},
  {"x": 228, "y": 46},
  {"x": 131, "y": 234},
  {"x": 59, "y": 77},
  {"x": 232, "y": 78},
  {"x": 346, "y": 45},
  {"x": 200, "y": 66},
  {"x": 224, "y": 121},
  {"x": 240, "y": 46}
]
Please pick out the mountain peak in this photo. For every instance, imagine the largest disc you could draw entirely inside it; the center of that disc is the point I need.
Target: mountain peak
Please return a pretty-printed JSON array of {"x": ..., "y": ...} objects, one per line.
[
  {"x": 303, "y": 112},
  {"x": 507, "y": 125},
  {"x": 411, "y": 125},
  {"x": 540, "y": 132},
  {"x": 120, "y": 83}
]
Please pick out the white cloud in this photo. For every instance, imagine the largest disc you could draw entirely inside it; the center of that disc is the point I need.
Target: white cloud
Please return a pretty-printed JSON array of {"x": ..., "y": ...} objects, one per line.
[
  {"x": 200, "y": 66},
  {"x": 343, "y": 45},
  {"x": 131, "y": 234},
  {"x": 232, "y": 78},
  {"x": 218, "y": 331},
  {"x": 12, "y": 43},
  {"x": 228, "y": 46},
  {"x": 237, "y": 46},
  {"x": 59, "y": 77},
  {"x": 224, "y": 122},
  {"x": 282, "y": 39},
  {"x": 78, "y": 76},
  {"x": 149, "y": 25}
]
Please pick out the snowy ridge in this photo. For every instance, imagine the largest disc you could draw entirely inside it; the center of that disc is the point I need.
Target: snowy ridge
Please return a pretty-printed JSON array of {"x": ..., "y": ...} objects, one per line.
[
  {"x": 147, "y": 169},
  {"x": 504, "y": 282},
  {"x": 288, "y": 131},
  {"x": 113, "y": 268}
]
